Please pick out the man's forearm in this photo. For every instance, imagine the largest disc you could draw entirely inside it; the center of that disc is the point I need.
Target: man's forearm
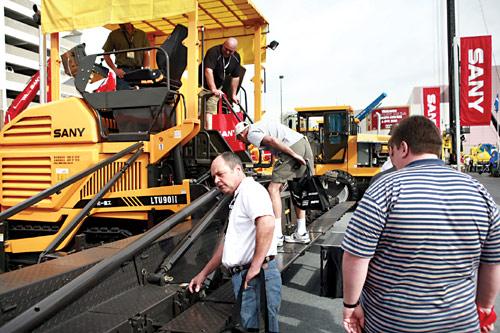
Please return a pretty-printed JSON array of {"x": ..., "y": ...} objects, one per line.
[
  {"x": 488, "y": 285},
  {"x": 209, "y": 78},
  {"x": 264, "y": 230},
  {"x": 234, "y": 85},
  {"x": 109, "y": 62},
  {"x": 275, "y": 144},
  {"x": 354, "y": 271}
]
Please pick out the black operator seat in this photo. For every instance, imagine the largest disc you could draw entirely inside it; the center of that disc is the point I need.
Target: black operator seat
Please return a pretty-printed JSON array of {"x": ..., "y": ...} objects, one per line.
[
  {"x": 146, "y": 110},
  {"x": 177, "y": 56}
]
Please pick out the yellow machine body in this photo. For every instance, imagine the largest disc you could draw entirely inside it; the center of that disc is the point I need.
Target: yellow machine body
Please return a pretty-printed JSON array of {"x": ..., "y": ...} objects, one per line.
[
  {"x": 50, "y": 143},
  {"x": 53, "y": 142},
  {"x": 340, "y": 151}
]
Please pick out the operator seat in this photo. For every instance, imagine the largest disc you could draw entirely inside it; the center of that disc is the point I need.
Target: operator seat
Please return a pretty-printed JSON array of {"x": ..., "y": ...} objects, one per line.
[
  {"x": 177, "y": 55},
  {"x": 139, "y": 112}
]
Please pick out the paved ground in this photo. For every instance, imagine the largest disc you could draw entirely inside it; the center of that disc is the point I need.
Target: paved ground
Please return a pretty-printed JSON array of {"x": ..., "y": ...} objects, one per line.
[
  {"x": 491, "y": 183},
  {"x": 302, "y": 309}
]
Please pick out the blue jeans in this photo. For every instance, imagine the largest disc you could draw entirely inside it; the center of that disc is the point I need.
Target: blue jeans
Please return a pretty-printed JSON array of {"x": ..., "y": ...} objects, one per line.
[
  {"x": 121, "y": 84},
  {"x": 251, "y": 297}
]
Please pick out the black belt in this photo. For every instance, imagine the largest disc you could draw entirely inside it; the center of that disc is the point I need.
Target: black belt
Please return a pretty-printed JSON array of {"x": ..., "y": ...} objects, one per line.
[{"x": 236, "y": 269}]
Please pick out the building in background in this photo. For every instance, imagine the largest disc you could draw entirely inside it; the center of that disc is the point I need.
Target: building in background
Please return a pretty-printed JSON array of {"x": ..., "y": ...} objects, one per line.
[{"x": 19, "y": 39}]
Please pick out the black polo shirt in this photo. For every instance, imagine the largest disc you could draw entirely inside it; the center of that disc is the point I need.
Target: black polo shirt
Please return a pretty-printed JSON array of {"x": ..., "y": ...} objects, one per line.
[{"x": 222, "y": 67}]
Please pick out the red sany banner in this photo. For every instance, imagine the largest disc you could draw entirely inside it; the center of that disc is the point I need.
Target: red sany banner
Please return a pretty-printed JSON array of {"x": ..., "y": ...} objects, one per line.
[
  {"x": 431, "y": 101},
  {"x": 475, "y": 81}
]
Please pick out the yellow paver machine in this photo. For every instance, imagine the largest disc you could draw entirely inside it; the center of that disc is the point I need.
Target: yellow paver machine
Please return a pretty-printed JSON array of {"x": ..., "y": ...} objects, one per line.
[
  {"x": 80, "y": 171},
  {"x": 107, "y": 165}
]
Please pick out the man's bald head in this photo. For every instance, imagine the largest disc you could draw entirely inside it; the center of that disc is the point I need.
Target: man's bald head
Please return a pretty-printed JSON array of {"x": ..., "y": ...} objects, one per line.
[
  {"x": 231, "y": 42},
  {"x": 229, "y": 46}
]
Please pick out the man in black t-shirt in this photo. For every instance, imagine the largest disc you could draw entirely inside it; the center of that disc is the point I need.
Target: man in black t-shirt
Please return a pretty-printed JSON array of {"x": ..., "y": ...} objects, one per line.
[{"x": 221, "y": 61}]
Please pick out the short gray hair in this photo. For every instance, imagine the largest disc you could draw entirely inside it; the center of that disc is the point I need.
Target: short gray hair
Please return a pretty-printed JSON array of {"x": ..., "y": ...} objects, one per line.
[{"x": 231, "y": 159}]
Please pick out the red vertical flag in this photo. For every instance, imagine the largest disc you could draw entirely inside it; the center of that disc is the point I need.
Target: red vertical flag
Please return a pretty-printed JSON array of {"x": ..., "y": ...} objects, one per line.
[
  {"x": 475, "y": 81},
  {"x": 431, "y": 99}
]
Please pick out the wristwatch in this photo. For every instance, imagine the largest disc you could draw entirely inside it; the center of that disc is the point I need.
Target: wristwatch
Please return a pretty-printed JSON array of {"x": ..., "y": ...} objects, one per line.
[{"x": 351, "y": 306}]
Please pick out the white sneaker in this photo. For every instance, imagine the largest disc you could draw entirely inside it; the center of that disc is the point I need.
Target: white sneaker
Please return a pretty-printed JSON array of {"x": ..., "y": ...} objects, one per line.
[
  {"x": 280, "y": 241},
  {"x": 296, "y": 238}
]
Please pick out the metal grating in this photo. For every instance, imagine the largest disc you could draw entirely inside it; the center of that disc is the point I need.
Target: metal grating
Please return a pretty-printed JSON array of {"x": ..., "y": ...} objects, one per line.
[
  {"x": 24, "y": 177},
  {"x": 130, "y": 181},
  {"x": 223, "y": 294},
  {"x": 204, "y": 317},
  {"x": 33, "y": 127}
]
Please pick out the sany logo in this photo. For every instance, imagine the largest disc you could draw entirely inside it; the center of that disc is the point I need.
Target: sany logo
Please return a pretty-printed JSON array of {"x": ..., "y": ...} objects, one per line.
[
  {"x": 229, "y": 133},
  {"x": 431, "y": 107},
  {"x": 476, "y": 56}
]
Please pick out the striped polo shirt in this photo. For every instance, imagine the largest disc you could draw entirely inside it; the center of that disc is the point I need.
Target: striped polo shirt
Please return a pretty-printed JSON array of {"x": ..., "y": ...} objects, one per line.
[{"x": 426, "y": 229}]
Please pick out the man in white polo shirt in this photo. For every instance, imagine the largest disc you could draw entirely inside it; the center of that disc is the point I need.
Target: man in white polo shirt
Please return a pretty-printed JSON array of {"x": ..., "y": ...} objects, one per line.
[
  {"x": 291, "y": 150},
  {"x": 248, "y": 245}
]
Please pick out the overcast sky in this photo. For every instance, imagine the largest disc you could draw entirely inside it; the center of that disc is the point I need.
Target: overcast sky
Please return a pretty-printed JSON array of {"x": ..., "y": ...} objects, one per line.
[{"x": 336, "y": 52}]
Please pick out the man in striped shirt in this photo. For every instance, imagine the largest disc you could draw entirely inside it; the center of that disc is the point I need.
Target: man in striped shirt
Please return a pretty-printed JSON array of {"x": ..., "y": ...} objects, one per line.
[{"x": 417, "y": 243}]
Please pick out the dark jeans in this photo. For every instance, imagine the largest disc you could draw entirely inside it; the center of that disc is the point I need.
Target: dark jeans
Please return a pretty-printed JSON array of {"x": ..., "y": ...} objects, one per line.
[
  {"x": 121, "y": 84},
  {"x": 251, "y": 297}
]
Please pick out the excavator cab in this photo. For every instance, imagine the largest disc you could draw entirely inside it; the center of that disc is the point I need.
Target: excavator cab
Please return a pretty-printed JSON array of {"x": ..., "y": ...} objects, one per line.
[
  {"x": 327, "y": 131},
  {"x": 336, "y": 135}
]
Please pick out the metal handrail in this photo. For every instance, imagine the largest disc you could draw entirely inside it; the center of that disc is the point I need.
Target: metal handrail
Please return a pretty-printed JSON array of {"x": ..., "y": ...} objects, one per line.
[
  {"x": 49, "y": 306},
  {"x": 88, "y": 62},
  {"x": 187, "y": 241},
  {"x": 59, "y": 186},
  {"x": 228, "y": 104},
  {"x": 85, "y": 211}
]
